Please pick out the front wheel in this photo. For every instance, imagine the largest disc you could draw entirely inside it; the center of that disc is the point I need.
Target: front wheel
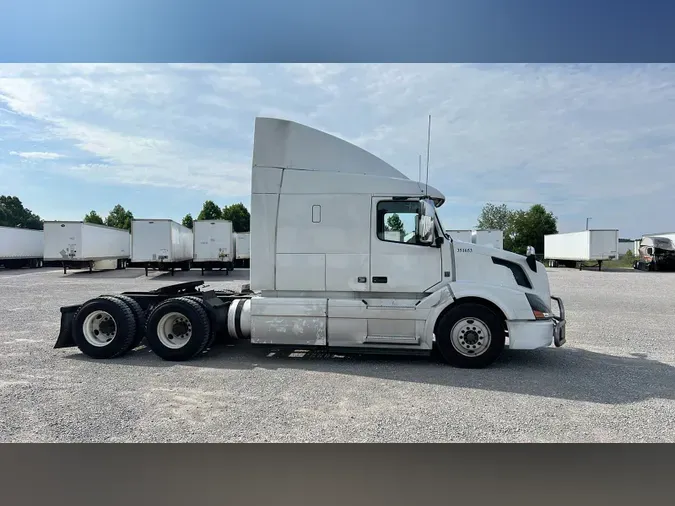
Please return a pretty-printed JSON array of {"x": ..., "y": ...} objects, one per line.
[{"x": 470, "y": 336}]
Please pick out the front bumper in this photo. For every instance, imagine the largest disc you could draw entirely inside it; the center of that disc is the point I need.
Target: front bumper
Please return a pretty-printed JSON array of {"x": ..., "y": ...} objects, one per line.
[
  {"x": 535, "y": 334},
  {"x": 559, "y": 324}
]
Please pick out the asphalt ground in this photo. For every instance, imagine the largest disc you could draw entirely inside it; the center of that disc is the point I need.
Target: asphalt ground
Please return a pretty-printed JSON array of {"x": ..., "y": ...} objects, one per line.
[{"x": 614, "y": 380}]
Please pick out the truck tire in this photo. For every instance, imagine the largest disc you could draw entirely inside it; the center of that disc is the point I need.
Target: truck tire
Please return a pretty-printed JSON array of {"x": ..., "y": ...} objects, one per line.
[
  {"x": 139, "y": 316},
  {"x": 178, "y": 329},
  {"x": 104, "y": 327},
  {"x": 213, "y": 327},
  {"x": 470, "y": 336}
]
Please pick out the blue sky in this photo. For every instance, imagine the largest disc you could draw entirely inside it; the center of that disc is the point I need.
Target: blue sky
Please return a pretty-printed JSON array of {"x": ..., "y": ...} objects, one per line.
[{"x": 585, "y": 140}]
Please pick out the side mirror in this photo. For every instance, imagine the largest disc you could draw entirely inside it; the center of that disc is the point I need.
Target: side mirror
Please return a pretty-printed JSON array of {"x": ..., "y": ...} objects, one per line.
[
  {"x": 425, "y": 229},
  {"x": 531, "y": 259}
]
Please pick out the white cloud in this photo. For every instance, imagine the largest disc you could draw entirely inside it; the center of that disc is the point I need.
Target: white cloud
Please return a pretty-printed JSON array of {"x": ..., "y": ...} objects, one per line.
[
  {"x": 37, "y": 155},
  {"x": 576, "y": 137}
]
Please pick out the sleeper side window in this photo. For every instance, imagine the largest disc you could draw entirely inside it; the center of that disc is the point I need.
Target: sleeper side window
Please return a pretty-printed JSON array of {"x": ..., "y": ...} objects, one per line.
[{"x": 397, "y": 221}]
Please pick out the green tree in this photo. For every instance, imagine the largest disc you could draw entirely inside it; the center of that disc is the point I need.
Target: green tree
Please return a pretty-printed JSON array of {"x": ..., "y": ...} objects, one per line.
[
  {"x": 14, "y": 214},
  {"x": 494, "y": 217},
  {"x": 210, "y": 211},
  {"x": 239, "y": 216},
  {"x": 93, "y": 217},
  {"x": 394, "y": 223},
  {"x": 119, "y": 218},
  {"x": 188, "y": 221},
  {"x": 528, "y": 228}
]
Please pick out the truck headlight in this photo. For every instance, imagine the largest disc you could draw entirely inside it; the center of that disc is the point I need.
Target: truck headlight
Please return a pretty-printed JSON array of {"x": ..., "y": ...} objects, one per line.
[{"x": 540, "y": 309}]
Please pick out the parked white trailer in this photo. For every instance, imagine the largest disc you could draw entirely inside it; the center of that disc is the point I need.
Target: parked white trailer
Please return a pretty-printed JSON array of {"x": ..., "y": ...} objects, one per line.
[
  {"x": 492, "y": 238},
  {"x": 460, "y": 235},
  {"x": 76, "y": 244},
  {"x": 625, "y": 246},
  {"x": 214, "y": 245},
  {"x": 574, "y": 248},
  {"x": 323, "y": 276},
  {"x": 242, "y": 248},
  {"x": 21, "y": 247},
  {"x": 161, "y": 244}
]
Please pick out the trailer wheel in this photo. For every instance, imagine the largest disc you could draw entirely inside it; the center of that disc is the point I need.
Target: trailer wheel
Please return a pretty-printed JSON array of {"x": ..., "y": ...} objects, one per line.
[
  {"x": 104, "y": 327},
  {"x": 139, "y": 316},
  {"x": 178, "y": 329},
  {"x": 470, "y": 336}
]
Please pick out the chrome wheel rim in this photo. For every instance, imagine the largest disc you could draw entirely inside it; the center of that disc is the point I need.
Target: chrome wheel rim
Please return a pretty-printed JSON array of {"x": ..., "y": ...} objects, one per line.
[
  {"x": 174, "y": 330},
  {"x": 471, "y": 337},
  {"x": 99, "y": 328}
]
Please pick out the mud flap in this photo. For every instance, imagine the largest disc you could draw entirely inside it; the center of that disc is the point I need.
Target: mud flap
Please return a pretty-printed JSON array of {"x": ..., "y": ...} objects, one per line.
[{"x": 65, "y": 339}]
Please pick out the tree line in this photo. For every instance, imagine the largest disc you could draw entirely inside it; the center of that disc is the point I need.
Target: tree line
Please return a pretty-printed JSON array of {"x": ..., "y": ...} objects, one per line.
[
  {"x": 236, "y": 213},
  {"x": 522, "y": 228},
  {"x": 14, "y": 214}
]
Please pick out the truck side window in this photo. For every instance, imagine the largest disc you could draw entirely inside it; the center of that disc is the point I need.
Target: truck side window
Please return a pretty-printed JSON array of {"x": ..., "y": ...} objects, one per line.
[{"x": 396, "y": 221}]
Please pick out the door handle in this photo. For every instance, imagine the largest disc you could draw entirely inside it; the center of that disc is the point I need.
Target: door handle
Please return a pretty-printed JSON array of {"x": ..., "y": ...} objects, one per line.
[{"x": 379, "y": 279}]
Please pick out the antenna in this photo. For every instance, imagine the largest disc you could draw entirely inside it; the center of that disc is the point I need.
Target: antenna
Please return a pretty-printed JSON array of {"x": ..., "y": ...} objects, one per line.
[
  {"x": 426, "y": 190},
  {"x": 419, "y": 176}
]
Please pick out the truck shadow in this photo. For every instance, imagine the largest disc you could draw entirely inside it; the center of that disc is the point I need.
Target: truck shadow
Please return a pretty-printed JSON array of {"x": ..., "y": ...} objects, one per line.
[
  {"x": 566, "y": 373},
  {"x": 105, "y": 274}
]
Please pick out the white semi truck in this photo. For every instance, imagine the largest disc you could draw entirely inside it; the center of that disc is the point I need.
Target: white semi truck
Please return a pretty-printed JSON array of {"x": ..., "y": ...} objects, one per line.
[
  {"x": 656, "y": 253},
  {"x": 21, "y": 247},
  {"x": 213, "y": 245},
  {"x": 324, "y": 274}
]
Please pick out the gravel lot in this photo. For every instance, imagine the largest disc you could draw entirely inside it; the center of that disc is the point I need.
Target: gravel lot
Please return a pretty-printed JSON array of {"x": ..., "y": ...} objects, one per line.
[{"x": 614, "y": 380}]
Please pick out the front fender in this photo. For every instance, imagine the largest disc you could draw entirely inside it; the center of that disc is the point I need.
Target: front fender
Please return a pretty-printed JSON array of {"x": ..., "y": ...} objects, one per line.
[{"x": 513, "y": 303}]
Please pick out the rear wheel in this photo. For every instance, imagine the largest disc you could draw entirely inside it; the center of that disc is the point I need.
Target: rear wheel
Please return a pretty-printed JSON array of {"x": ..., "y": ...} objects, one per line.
[
  {"x": 104, "y": 328},
  {"x": 470, "y": 335},
  {"x": 201, "y": 302},
  {"x": 139, "y": 316},
  {"x": 178, "y": 329}
]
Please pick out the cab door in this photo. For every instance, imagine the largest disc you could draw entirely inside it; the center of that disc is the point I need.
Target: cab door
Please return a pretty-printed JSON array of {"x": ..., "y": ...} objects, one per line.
[{"x": 399, "y": 263}]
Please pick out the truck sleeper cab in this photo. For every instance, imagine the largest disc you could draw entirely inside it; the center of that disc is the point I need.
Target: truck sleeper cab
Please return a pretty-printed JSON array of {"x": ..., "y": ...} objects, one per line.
[{"x": 347, "y": 254}]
